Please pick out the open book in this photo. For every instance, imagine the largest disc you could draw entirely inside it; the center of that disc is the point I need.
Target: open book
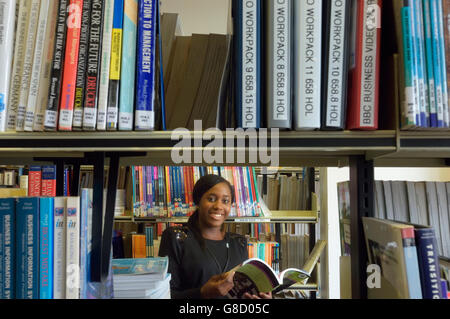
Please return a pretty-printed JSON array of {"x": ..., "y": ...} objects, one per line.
[{"x": 255, "y": 275}]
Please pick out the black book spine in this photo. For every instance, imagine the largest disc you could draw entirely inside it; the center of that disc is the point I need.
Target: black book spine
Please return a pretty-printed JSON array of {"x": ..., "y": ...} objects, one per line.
[
  {"x": 81, "y": 68},
  {"x": 93, "y": 66},
  {"x": 51, "y": 113}
]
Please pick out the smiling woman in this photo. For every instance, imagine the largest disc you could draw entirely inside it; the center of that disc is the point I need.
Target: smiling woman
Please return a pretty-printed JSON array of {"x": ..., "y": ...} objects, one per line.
[{"x": 202, "y": 252}]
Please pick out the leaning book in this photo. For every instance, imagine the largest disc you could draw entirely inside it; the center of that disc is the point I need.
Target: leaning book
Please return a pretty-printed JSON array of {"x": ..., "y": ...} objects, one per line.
[{"x": 255, "y": 275}]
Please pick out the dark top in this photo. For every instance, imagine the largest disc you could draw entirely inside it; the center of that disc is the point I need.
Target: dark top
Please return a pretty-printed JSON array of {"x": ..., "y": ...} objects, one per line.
[{"x": 191, "y": 267}]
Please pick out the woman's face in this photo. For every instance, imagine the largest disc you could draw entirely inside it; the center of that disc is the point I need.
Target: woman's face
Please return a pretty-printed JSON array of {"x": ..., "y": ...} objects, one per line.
[{"x": 215, "y": 205}]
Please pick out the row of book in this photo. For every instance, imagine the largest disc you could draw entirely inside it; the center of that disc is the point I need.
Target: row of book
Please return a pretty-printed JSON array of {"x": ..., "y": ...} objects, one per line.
[
  {"x": 78, "y": 65},
  {"x": 423, "y": 37},
  {"x": 166, "y": 191},
  {"x": 45, "y": 248}
]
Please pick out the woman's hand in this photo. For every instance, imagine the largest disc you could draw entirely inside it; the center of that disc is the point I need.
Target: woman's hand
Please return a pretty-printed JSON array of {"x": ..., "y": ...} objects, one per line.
[
  {"x": 261, "y": 295},
  {"x": 217, "y": 286}
]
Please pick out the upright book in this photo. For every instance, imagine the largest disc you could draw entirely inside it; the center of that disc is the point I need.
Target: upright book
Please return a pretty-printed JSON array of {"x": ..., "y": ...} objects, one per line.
[
  {"x": 247, "y": 32},
  {"x": 278, "y": 63},
  {"x": 7, "y": 25},
  {"x": 46, "y": 206},
  {"x": 73, "y": 248},
  {"x": 335, "y": 63},
  {"x": 307, "y": 64},
  {"x": 7, "y": 248},
  {"x": 364, "y": 66},
  {"x": 59, "y": 260}
]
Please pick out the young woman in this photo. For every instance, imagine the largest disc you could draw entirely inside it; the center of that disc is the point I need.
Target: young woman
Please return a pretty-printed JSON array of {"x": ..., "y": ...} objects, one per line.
[{"x": 201, "y": 253}]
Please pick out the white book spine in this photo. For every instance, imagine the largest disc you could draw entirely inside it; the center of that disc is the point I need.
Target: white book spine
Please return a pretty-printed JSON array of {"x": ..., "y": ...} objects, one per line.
[
  {"x": 33, "y": 92},
  {"x": 46, "y": 66},
  {"x": 105, "y": 65},
  {"x": 337, "y": 34},
  {"x": 7, "y": 24},
  {"x": 27, "y": 64},
  {"x": 59, "y": 261},
  {"x": 307, "y": 63},
  {"x": 73, "y": 248},
  {"x": 249, "y": 66},
  {"x": 19, "y": 53}
]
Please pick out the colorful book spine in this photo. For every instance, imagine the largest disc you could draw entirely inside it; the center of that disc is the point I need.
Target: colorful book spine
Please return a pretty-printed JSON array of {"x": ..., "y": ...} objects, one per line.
[
  {"x": 70, "y": 65},
  {"x": 415, "y": 61},
  {"x": 307, "y": 68},
  {"x": 27, "y": 64},
  {"x": 364, "y": 77},
  {"x": 7, "y": 25},
  {"x": 59, "y": 261},
  {"x": 85, "y": 221},
  {"x": 446, "y": 18},
  {"x": 442, "y": 50},
  {"x": 7, "y": 248},
  {"x": 54, "y": 98},
  {"x": 48, "y": 181},
  {"x": 105, "y": 64},
  {"x": 73, "y": 248},
  {"x": 19, "y": 54},
  {"x": 114, "y": 73},
  {"x": 34, "y": 180},
  {"x": 43, "y": 21},
  {"x": 127, "y": 74},
  {"x": 46, "y": 205},
  {"x": 146, "y": 72},
  {"x": 411, "y": 262},
  {"x": 247, "y": 19},
  {"x": 46, "y": 66},
  {"x": 93, "y": 67},
  {"x": 428, "y": 258},
  {"x": 77, "y": 122},
  {"x": 27, "y": 248}
]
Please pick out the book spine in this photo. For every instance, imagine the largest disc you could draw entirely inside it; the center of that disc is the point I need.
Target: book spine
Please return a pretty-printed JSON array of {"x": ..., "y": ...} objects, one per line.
[
  {"x": 46, "y": 248},
  {"x": 46, "y": 66},
  {"x": 363, "y": 105},
  {"x": 93, "y": 66},
  {"x": 34, "y": 180},
  {"x": 248, "y": 62},
  {"x": 73, "y": 248},
  {"x": 428, "y": 262},
  {"x": 146, "y": 72},
  {"x": 48, "y": 181},
  {"x": 83, "y": 241},
  {"x": 446, "y": 24},
  {"x": 30, "y": 109},
  {"x": 278, "y": 64},
  {"x": 307, "y": 68},
  {"x": 128, "y": 67},
  {"x": 415, "y": 61},
  {"x": 27, "y": 245},
  {"x": 27, "y": 64},
  {"x": 70, "y": 65},
  {"x": 7, "y": 25},
  {"x": 54, "y": 98},
  {"x": 80, "y": 88},
  {"x": 436, "y": 62},
  {"x": 114, "y": 73},
  {"x": 105, "y": 65},
  {"x": 337, "y": 61},
  {"x": 59, "y": 261},
  {"x": 411, "y": 263},
  {"x": 7, "y": 248},
  {"x": 442, "y": 49},
  {"x": 429, "y": 64}
]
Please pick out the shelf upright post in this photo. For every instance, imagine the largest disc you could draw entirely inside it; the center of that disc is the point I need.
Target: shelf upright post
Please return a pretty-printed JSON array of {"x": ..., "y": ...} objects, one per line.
[
  {"x": 361, "y": 205},
  {"x": 312, "y": 227}
]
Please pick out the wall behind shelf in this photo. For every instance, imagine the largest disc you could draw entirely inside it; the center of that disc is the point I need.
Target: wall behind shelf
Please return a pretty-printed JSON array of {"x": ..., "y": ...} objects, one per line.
[{"x": 200, "y": 16}]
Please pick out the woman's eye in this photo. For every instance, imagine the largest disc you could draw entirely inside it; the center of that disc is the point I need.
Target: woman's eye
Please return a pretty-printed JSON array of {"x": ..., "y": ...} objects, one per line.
[
  {"x": 211, "y": 199},
  {"x": 226, "y": 201}
]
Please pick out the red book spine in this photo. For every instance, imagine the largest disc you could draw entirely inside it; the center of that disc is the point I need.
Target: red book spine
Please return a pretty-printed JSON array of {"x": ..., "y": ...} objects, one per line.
[
  {"x": 364, "y": 73},
  {"x": 34, "y": 182},
  {"x": 70, "y": 65}
]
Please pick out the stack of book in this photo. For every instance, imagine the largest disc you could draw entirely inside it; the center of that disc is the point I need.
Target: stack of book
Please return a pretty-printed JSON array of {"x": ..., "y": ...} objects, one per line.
[{"x": 141, "y": 278}]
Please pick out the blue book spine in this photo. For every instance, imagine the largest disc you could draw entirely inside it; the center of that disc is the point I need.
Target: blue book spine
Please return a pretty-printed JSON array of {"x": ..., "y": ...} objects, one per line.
[
  {"x": 436, "y": 61},
  {"x": 428, "y": 258},
  {"x": 411, "y": 263},
  {"x": 7, "y": 248},
  {"x": 429, "y": 63},
  {"x": 146, "y": 48},
  {"x": 247, "y": 22},
  {"x": 27, "y": 244},
  {"x": 443, "y": 61},
  {"x": 46, "y": 248},
  {"x": 86, "y": 207},
  {"x": 444, "y": 289},
  {"x": 415, "y": 64},
  {"x": 128, "y": 71}
]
